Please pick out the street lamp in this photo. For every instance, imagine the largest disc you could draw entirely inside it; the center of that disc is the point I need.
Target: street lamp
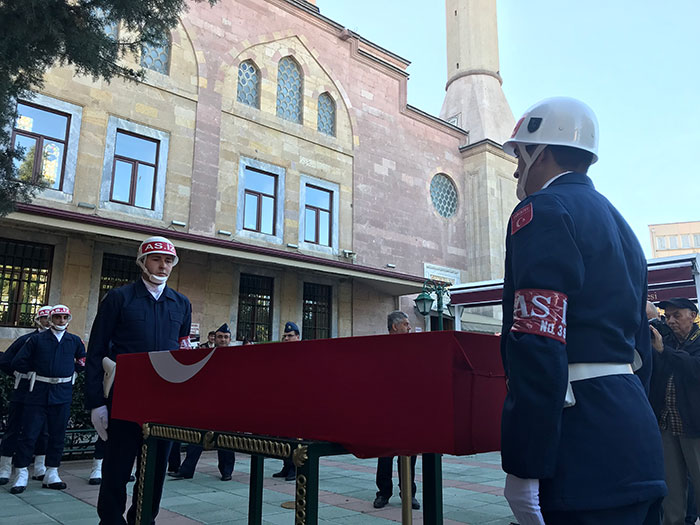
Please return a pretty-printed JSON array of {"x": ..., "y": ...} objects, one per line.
[{"x": 424, "y": 301}]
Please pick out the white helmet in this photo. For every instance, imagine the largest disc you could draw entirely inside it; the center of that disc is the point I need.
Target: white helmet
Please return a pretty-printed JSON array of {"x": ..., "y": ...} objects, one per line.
[
  {"x": 558, "y": 121},
  {"x": 44, "y": 311},
  {"x": 63, "y": 310},
  {"x": 155, "y": 245}
]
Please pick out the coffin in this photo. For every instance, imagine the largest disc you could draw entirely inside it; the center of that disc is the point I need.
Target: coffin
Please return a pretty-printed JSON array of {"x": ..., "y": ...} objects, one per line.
[{"x": 439, "y": 392}]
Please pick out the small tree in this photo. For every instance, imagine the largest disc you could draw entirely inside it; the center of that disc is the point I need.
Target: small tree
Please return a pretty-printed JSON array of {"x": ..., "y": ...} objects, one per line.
[{"x": 38, "y": 34}]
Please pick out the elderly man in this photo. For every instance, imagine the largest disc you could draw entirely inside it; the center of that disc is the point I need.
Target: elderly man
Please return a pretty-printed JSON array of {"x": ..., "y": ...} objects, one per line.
[
  {"x": 675, "y": 397},
  {"x": 397, "y": 323}
]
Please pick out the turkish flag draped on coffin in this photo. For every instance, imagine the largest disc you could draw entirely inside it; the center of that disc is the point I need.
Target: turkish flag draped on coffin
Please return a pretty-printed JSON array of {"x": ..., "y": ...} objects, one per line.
[{"x": 383, "y": 395}]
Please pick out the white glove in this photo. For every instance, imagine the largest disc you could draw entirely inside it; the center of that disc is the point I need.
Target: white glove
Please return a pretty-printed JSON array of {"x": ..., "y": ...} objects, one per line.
[
  {"x": 100, "y": 420},
  {"x": 523, "y": 496}
]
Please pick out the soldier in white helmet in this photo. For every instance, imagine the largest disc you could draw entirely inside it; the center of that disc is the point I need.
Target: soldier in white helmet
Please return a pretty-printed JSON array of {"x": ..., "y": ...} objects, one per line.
[
  {"x": 579, "y": 442},
  {"x": 14, "y": 419},
  {"x": 144, "y": 316},
  {"x": 51, "y": 360}
]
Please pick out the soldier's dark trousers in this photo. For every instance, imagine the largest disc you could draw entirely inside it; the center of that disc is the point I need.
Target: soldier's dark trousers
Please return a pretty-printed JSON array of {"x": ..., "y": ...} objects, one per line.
[
  {"x": 34, "y": 419},
  {"x": 384, "y": 470},
  {"x": 227, "y": 459},
  {"x": 123, "y": 447},
  {"x": 8, "y": 447},
  {"x": 634, "y": 514}
]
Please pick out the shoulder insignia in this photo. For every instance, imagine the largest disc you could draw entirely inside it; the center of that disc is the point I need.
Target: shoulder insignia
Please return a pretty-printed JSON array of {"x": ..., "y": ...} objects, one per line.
[{"x": 521, "y": 218}]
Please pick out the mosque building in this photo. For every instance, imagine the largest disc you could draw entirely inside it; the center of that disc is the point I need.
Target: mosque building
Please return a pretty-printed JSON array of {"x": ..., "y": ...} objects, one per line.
[{"x": 277, "y": 150}]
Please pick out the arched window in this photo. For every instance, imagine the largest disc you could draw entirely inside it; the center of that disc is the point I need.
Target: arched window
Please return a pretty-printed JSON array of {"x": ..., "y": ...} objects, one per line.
[
  {"x": 289, "y": 90},
  {"x": 156, "y": 57},
  {"x": 248, "y": 84},
  {"x": 326, "y": 114},
  {"x": 443, "y": 193}
]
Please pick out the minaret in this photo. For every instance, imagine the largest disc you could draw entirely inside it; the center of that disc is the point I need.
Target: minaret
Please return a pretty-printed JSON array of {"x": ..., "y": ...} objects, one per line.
[{"x": 474, "y": 99}]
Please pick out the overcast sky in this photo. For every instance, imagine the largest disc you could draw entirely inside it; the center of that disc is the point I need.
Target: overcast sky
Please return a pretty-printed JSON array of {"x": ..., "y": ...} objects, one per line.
[{"x": 635, "y": 62}]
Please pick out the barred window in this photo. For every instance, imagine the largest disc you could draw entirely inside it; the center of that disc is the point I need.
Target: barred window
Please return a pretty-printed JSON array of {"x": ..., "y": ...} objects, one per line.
[
  {"x": 248, "y": 84},
  {"x": 317, "y": 311},
  {"x": 117, "y": 270},
  {"x": 254, "y": 308},
  {"x": 156, "y": 57},
  {"x": 45, "y": 131},
  {"x": 326, "y": 114},
  {"x": 25, "y": 270},
  {"x": 289, "y": 90}
]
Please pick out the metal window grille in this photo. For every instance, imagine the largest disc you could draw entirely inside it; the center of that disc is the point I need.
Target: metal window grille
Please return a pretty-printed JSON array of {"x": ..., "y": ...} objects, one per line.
[
  {"x": 156, "y": 57},
  {"x": 326, "y": 114},
  {"x": 254, "y": 308},
  {"x": 248, "y": 84},
  {"x": 443, "y": 193},
  {"x": 289, "y": 90},
  {"x": 117, "y": 270},
  {"x": 317, "y": 311},
  {"x": 25, "y": 271}
]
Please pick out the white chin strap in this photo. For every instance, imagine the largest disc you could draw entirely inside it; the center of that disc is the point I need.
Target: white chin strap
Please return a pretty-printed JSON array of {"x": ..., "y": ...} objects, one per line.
[
  {"x": 59, "y": 328},
  {"x": 155, "y": 279},
  {"x": 529, "y": 161}
]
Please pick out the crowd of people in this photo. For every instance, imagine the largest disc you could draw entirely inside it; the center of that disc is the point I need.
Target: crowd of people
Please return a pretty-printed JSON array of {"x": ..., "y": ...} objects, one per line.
[{"x": 600, "y": 424}]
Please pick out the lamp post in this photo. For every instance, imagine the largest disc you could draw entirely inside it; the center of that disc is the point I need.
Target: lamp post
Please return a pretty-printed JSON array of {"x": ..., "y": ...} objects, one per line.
[
  {"x": 424, "y": 301},
  {"x": 432, "y": 463}
]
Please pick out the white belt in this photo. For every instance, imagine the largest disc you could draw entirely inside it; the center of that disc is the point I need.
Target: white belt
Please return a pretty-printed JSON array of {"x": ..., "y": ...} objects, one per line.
[
  {"x": 19, "y": 377},
  {"x": 581, "y": 371},
  {"x": 33, "y": 376}
]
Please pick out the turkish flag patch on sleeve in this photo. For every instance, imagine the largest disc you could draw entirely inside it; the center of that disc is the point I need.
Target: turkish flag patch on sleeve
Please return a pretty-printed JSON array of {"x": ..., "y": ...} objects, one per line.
[
  {"x": 540, "y": 312},
  {"x": 521, "y": 218}
]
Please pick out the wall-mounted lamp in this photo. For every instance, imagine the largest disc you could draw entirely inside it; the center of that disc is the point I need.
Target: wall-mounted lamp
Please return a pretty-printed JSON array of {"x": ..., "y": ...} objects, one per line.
[
  {"x": 224, "y": 232},
  {"x": 178, "y": 223},
  {"x": 349, "y": 254},
  {"x": 292, "y": 245},
  {"x": 86, "y": 205},
  {"x": 389, "y": 265}
]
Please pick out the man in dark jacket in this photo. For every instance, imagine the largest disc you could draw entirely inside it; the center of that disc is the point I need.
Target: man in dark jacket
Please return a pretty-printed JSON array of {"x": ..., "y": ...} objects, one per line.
[
  {"x": 675, "y": 397},
  {"x": 50, "y": 358},
  {"x": 144, "y": 316},
  {"x": 579, "y": 441}
]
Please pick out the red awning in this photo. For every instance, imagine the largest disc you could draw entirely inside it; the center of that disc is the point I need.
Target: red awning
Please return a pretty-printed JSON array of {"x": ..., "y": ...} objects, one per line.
[{"x": 668, "y": 277}]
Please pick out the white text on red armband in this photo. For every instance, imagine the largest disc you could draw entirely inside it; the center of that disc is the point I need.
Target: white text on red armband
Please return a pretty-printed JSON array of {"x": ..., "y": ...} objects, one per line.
[
  {"x": 184, "y": 343},
  {"x": 540, "y": 312}
]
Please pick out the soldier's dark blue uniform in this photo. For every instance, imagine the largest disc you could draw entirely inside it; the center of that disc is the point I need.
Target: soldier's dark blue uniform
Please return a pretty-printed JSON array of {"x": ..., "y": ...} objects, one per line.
[
  {"x": 130, "y": 320},
  {"x": 14, "y": 416},
  {"x": 47, "y": 403},
  {"x": 567, "y": 245}
]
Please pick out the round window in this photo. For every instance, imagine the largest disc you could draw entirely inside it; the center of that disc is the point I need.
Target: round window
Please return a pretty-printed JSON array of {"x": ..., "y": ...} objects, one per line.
[{"x": 443, "y": 193}]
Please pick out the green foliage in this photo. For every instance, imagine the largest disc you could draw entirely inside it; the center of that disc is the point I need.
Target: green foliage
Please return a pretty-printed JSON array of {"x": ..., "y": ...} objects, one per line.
[{"x": 38, "y": 34}]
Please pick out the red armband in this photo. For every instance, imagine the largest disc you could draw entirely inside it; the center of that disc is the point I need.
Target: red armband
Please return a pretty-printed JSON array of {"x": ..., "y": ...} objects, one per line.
[
  {"x": 184, "y": 343},
  {"x": 81, "y": 361},
  {"x": 540, "y": 312}
]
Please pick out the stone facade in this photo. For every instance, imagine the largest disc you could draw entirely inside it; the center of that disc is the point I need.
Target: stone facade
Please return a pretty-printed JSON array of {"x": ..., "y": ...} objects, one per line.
[{"x": 378, "y": 166}]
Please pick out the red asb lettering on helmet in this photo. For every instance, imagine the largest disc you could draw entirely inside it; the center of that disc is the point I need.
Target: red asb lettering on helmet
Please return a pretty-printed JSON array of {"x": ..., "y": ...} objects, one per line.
[
  {"x": 159, "y": 247},
  {"x": 540, "y": 312}
]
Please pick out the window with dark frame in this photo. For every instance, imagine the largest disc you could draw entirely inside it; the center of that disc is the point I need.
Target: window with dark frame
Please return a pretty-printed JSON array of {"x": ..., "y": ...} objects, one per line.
[
  {"x": 317, "y": 311},
  {"x": 254, "y": 308},
  {"x": 117, "y": 270},
  {"x": 41, "y": 129},
  {"x": 317, "y": 215},
  {"x": 25, "y": 271},
  {"x": 259, "y": 201},
  {"x": 134, "y": 170}
]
